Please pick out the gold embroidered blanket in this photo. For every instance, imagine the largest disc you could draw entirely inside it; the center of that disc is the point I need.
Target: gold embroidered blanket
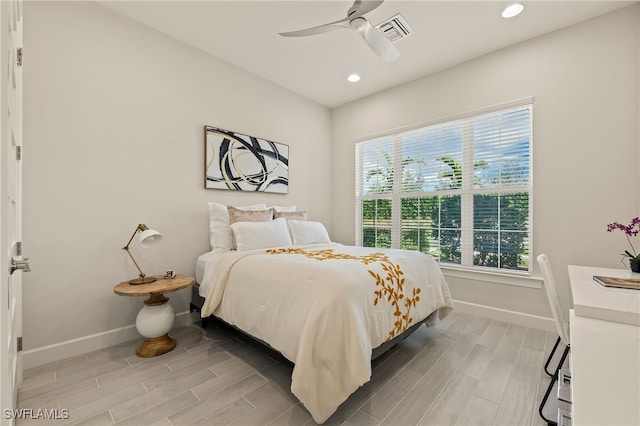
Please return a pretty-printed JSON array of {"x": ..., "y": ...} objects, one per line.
[{"x": 325, "y": 307}]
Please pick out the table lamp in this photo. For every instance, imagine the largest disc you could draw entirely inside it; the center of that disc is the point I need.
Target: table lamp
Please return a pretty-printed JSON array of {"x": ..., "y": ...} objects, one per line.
[{"x": 148, "y": 237}]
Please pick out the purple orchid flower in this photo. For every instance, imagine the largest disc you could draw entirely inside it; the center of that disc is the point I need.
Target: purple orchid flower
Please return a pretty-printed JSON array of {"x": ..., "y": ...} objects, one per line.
[{"x": 631, "y": 230}]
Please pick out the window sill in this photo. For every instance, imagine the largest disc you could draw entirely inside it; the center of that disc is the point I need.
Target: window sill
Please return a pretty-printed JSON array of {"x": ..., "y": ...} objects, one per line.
[{"x": 515, "y": 279}]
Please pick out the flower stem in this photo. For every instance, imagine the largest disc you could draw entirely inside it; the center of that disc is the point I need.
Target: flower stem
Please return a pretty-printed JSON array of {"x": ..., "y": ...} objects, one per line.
[{"x": 635, "y": 254}]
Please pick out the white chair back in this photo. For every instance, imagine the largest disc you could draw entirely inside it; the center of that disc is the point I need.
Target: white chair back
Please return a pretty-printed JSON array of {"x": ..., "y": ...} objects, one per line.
[{"x": 560, "y": 315}]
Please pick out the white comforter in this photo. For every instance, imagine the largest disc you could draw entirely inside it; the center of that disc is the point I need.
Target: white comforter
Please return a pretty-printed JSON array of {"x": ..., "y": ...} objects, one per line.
[{"x": 325, "y": 307}]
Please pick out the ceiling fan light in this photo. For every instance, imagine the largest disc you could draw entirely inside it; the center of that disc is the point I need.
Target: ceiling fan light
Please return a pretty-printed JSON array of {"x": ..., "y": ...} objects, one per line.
[
  {"x": 512, "y": 10},
  {"x": 358, "y": 24},
  {"x": 353, "y": 78}
]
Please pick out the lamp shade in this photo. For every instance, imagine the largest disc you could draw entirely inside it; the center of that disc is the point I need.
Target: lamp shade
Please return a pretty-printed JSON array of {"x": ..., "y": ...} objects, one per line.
[{"x": 149, "y": 237}]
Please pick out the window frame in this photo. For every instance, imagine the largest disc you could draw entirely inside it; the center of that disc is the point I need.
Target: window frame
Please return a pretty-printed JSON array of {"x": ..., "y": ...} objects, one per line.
[{"x": 467, "y": 191}]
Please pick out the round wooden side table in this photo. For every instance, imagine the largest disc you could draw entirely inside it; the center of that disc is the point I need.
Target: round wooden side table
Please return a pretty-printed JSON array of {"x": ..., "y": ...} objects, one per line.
[{"x": 156, "y": 317}]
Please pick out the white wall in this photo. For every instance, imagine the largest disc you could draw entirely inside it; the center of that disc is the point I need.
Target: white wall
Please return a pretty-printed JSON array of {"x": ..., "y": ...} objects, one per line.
[
  {"x": 584, "y": 80},
  {"x": 113, "y": 118}
]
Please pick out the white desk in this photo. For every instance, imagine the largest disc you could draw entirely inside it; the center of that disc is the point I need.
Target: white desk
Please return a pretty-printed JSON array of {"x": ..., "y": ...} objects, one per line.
[{"x": 605, "y": 349}]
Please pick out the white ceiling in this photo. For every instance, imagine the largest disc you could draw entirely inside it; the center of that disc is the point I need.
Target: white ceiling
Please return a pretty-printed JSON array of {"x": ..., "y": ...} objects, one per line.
[{"x": 245, "y": 33}]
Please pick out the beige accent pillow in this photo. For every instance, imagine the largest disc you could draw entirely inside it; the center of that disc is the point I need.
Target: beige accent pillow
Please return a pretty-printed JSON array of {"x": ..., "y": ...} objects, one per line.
[
  {"x": 238, "y": 215},
  {"x": 283, "y": 208},
  {"x": 291, "y": 215}
]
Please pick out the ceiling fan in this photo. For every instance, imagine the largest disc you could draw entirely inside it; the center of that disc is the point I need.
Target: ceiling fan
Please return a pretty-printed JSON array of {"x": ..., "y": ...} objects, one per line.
[{"x": 356, "y": 21}]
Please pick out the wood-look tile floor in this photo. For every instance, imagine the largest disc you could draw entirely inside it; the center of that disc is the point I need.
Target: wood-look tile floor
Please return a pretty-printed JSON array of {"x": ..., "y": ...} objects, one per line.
[{"x": 466, "y": 370}]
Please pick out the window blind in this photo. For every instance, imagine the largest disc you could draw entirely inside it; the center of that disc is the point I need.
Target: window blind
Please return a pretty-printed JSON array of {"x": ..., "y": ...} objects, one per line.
[{"x": 459, "y": 190}]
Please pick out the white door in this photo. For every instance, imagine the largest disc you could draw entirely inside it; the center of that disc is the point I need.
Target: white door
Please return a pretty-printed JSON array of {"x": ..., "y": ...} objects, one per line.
[{"x": 10, "y": 204}]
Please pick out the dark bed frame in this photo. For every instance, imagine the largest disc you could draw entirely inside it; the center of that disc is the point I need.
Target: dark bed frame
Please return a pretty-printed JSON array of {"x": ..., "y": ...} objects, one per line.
[{"x": 197, "y": 302}]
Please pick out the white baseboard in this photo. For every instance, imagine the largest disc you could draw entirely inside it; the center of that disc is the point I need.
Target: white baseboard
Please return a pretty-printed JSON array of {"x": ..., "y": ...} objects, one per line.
[
  {"x": 504, "y": 315},
  {"x": 51, "y": 353}
]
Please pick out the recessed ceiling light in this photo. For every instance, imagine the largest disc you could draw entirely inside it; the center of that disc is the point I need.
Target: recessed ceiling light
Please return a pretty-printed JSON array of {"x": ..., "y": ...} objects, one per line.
[
  {"x": 353, "y": 77},
  {"x": 512, "y": 10}
]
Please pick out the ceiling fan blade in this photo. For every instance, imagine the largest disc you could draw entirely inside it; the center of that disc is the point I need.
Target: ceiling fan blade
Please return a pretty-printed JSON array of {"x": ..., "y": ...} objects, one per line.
[
  {"x": 362, "y": 7},
  {"x": 343, "y": 23},
  {"x": 357, "y": 22},
  {"x": 378, "y": 42}
]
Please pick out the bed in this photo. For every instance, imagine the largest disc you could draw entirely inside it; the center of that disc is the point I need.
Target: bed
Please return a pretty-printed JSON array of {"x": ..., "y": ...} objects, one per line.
[{"x": 324, "y": 306}]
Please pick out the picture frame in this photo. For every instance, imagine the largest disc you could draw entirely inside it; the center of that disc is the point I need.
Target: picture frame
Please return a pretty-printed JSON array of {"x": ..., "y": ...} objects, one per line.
[{"x": 239, "y": 162}]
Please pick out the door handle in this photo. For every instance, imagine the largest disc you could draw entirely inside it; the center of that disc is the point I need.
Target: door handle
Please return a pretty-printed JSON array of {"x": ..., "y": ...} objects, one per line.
[{"x": 22, "y": 265}]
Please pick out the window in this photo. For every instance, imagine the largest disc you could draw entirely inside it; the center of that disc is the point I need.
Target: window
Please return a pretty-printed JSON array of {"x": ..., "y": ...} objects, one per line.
[{"x": 458, "y": 190}]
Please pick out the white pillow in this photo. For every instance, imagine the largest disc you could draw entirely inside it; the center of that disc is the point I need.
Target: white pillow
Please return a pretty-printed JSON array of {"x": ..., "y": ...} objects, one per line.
[
  {"x": 219, "y": 231},
  {"x": 308, "y": 232},
  {"x": 283, "y": 208},
  {"x": 257, "y": 235}
]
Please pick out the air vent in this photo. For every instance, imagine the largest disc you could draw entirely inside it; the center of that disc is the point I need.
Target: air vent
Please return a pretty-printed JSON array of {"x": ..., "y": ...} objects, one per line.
[{"x": 395, "y": 28}]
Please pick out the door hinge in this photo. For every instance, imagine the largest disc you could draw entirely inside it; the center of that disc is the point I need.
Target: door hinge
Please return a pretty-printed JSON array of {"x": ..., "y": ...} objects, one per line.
[
  {"x": 19, "y": 152},
  {"x": 20, "y": 344},
  {"x": 19, "y": 248},
  {"x": 19, "y": 56}
]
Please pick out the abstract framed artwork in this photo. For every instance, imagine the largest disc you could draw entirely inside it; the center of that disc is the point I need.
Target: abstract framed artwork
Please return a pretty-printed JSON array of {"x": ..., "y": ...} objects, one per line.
[{"x": 239, "y": 162}]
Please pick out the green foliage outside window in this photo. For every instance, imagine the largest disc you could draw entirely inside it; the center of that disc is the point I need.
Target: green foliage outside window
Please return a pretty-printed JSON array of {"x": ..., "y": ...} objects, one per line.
[
  {"x": 501, "y": 230},
  {"x": 433, "y": 224},
  {"x": 376, "y": 223}
]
